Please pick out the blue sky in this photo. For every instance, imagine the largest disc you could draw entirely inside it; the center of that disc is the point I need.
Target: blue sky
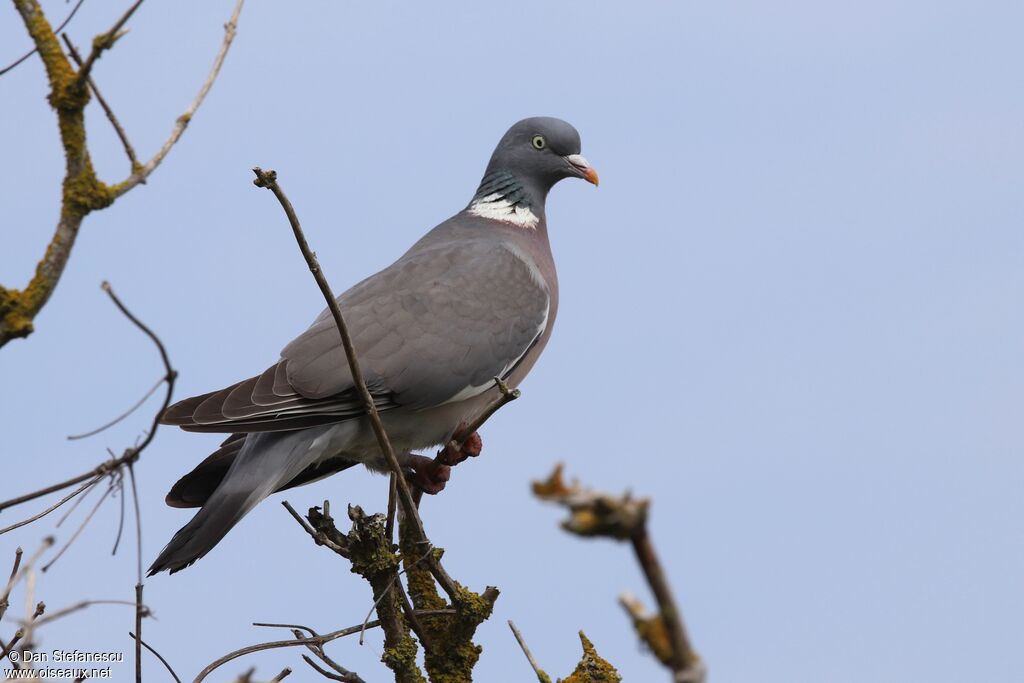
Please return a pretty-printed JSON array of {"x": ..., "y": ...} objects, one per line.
[{"x": 790, "y": 315}]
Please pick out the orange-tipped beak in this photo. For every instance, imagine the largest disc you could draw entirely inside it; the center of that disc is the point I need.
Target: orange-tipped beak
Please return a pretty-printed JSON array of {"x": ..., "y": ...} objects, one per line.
[{"x": 583, "y": 168}]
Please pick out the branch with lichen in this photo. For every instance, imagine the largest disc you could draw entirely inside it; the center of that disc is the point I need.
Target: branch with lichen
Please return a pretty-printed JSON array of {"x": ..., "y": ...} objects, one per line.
[
  {"x": 83, "y": 192},
  {"x": 593, "y": 514},
  {"x": 449, "y": 651},
  {"x": 592, "y": 668},
  {"x": 368, "y": 549},
  {"x": 445, "y": 630}
]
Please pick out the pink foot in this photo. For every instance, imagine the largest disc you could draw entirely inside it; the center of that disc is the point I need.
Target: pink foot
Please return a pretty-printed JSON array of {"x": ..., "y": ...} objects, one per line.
[
  {"x": 429, "y": 474},
  {"x": 451, "y": 455}
]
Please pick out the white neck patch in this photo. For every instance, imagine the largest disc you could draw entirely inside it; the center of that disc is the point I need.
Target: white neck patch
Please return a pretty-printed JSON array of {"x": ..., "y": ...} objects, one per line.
[{"x": 496, "y": 207}]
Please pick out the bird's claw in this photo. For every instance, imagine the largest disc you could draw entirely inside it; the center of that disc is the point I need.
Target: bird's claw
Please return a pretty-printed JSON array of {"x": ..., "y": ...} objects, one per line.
[
  {"x": 428, "y": 473},
  {"x": 452, "y": 453},
  {"x": 431, "y": 474}
]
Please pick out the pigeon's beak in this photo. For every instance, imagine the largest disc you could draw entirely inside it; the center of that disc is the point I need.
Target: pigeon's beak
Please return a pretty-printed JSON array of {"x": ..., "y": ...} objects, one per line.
[{"x": 582, "y": 168}]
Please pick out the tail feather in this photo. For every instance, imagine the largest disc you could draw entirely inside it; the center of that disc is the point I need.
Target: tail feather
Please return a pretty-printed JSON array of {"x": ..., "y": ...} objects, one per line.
[
  {"x": 264, "y": 462},
  {"x": 196, "y": 487},
  {"x": 203, "y": 532}
]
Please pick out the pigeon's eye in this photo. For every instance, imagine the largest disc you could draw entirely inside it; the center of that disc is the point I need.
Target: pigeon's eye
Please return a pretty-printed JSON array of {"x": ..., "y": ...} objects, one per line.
[{"x": 539, "y": 142}]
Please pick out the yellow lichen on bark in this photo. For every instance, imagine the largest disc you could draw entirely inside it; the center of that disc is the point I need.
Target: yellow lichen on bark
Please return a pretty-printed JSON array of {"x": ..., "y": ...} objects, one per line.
[
  {"x": 82, "y": 191},
  {"x": 593, "y": 668}
]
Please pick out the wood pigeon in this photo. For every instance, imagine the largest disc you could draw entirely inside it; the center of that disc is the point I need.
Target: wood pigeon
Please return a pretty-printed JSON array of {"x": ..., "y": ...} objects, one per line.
[{"x": 472, "y": 300}]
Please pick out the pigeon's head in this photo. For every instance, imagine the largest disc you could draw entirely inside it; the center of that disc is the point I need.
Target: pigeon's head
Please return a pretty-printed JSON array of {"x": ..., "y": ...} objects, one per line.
[{"x": 541, "y": 151}]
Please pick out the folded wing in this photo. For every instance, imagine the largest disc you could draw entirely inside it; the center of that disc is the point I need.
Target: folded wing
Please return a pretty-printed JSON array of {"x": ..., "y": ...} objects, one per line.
[{"x": 434, "y": 327}]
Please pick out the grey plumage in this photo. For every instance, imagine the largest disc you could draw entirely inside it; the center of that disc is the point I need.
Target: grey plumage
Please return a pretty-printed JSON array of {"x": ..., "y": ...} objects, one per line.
[{"x": 473, "y": 299}]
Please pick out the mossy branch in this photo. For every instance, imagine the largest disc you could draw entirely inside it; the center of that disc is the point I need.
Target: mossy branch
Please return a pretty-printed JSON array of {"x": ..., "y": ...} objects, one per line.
[
  {"x": 594, "y": 514},
  {"x": 592, "y": 667},
  {"x": 373, "y": 557},
  {"x": 449, "y": 651},
  {"x": 82, "y": 191}
]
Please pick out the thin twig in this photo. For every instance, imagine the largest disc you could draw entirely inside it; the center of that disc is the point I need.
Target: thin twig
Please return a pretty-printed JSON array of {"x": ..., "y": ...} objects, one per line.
[
  {"x": 5, "y": 602},
  {"x": 318, "y": 537},
  {"x": 686, "y": 664},
  {"x": 139, "y": 607},
  {"x": 459, "y": 438},
  {"x": 131, "y": 454},
  {"x": 298, "y": 518},
  {"x": 319, "y": 640},
  {"x": 26, "y": 630},
  {"x": 52, "y": 507},
  {"x": 542, "y": 676},
  {"x": 342, "y": 674},
  {"x": 410, "y": 615},
  {"x": 31, "y": 52},
  {"x": 78, "y": 606},
  {"x": 122, "y": 416},
  {"x": 78, "y": 531},
  {"x": 347, "y": 675},
  {"x": 105, "y": 41},
  {"x": 78, "y": 501},
  {"x": 24, "y": 568},
  {"x": 506, "y": 395},
  {"x": 394, "y": 580},
  {"x": 158, "y": 656},
  {"x": 139, "y": 175},
  {"x": 120, "y": 517},
  {"x": 325, "y": 673},
  {"x": 389, "y": 529},
  {"x": 268, "y": 180},
  {"x": 128, "y": 149},
  {"x": 5, "y": 648},
  {"x": 106, "y": 467},
  {"x": 84, "y": 191},
  {"x": 18, "y": 552},
  {"x": 170, "y": 376}
]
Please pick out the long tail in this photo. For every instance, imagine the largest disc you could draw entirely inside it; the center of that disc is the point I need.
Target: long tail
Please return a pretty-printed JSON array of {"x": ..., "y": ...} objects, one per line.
[{"x": 265, "y": 462}]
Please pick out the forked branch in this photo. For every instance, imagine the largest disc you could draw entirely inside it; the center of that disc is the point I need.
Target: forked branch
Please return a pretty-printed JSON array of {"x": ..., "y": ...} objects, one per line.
[
  {"x": 83, "y": 191},
  {"x": 595, "y": 514}
]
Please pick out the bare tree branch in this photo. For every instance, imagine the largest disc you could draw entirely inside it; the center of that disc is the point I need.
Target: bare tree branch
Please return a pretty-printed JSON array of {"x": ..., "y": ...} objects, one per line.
[
  {"x": 83, "y": 192},
  {"x": 31, "y": 52},
  {"x": 50, "y": 509},
  {"x": 21, "y": 569},
  {"x": 77, "y": 607},
  {"x": 347, "y": 677},
  {"x": 22, "y": 632},
  {"x": 594, "y": 514},
  {"x": 315, "y": 640},
  {"x": 122, "y": 416},
  {"x": 128, "y": 149},
  {"x": 4, "y": 601},
  {"x": 103, "y": 42},
  {"x": 130, "y": 455},
  {"x": 542, "y": 675},
  {"x": 78, "y": 531},
  {"x": 140, "y": 175},
  {"x": 340, "y": 672},
  {"x": 157, "y": 655}
]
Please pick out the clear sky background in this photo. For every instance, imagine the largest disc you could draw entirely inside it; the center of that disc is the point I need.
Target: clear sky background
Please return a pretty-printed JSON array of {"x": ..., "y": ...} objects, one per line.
[{"x": 791, "y": 315}]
